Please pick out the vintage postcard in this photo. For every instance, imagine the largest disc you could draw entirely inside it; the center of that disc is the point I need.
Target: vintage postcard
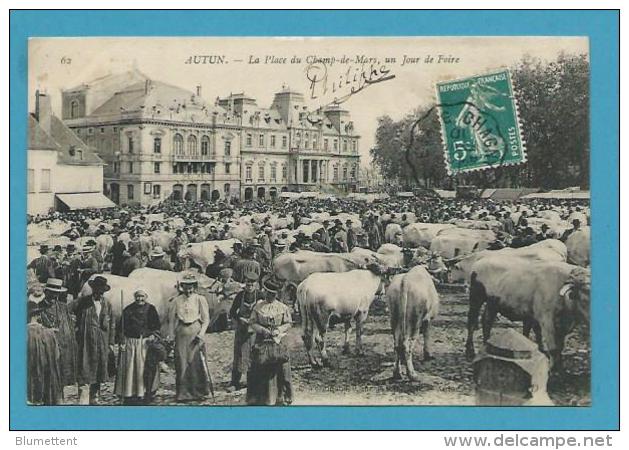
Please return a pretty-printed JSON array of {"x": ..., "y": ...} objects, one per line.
[{"x": 308, "y": 221}]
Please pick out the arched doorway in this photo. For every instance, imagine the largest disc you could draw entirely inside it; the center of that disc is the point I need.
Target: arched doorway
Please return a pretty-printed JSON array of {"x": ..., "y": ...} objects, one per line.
[
  {"x": 178, "y": 192},
  {"x": 114, "y": 192},
  {"x": 284, "y": 189},
  {"x": 205, "y": 191},
  {"x": 191, "y": 193},
  {"x": 273, "y": 193},
  {"x": 261, "y": 192},
  {"x": 248, "y": 193},
  {"x": 215, "y": 195}
]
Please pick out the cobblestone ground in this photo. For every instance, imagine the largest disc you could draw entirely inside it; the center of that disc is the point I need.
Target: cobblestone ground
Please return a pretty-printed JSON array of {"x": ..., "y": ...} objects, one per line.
[{"x": 367, "y": 379}]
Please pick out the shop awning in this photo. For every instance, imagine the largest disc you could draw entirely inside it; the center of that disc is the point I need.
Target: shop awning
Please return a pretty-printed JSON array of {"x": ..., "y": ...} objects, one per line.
[{"x": 85, "y": 200}]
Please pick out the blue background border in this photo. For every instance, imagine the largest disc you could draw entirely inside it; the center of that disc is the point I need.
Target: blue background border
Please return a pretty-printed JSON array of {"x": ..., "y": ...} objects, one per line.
[{"x": 602, "y": 29}]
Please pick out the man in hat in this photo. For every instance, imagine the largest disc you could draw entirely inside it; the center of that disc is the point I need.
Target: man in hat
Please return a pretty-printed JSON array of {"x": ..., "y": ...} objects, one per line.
[
  {"x": 188, "y": 319},
  {"x": 351, "y": 235},
  {"x": 225, "y": 289},
  {"x": 544, "y": 233},
  {"x": 118, "y": 251},
  {"x": 317, "y": 245},
  {"x": 324, "y": 234},
  {"x": 576, "y": 224},
  {"x": 56, "y": 316},
  {"x": 157, "y": 260},
  {"x": 247, "y": 265},
  {"x": 42, "y": 265},
  {"x": 95, "y": 338},
  {"x": 240, "y": 313},
  {"x": 175, "y": 246},
  {"x": 89, "y": 264}
]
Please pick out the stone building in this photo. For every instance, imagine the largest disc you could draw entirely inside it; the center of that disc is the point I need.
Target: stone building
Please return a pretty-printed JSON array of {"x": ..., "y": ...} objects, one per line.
[
  {"x": 163, "y": 142},
  {"x": 63, "y": 172}
]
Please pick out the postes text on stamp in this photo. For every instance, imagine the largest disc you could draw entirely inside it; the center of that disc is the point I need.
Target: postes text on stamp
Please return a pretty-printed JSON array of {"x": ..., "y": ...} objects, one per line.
[{"x": 479, "y": 123}]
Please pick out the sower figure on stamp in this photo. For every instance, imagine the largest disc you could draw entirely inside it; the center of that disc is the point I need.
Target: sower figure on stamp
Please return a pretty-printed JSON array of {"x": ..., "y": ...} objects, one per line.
[
  {"x": 140, "y": 325},
  {"x": 95, "y": 337},
  {"x": 188, "y": 320},
  {"x": 269, "y": 379},
  {"x": 240, "y": 313}
]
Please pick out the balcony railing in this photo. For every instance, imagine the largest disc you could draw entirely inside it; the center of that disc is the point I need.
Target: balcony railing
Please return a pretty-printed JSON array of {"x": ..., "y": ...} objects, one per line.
[{"x": 194, "y": 157}]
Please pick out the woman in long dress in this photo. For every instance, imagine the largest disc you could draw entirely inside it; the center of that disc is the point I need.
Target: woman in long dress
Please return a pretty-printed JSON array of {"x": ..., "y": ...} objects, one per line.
[
  {"x": 140, "y": 325},
  {"x": 270, "y": 382},
  {"x": 188, "y": 321}
]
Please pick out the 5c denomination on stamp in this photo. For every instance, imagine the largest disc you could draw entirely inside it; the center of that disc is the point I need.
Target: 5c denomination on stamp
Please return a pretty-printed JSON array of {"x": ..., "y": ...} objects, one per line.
[{"x": 479, "y": 123}]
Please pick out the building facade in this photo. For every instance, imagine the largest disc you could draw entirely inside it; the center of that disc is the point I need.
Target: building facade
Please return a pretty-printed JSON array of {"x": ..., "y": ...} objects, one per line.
[
  {"x": 163, "y": 142},
  {"x": 63, "y": 172}
]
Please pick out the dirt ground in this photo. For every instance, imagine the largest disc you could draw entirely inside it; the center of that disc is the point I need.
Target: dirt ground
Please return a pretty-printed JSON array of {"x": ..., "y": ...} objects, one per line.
[{"x": 367, "y": 379}]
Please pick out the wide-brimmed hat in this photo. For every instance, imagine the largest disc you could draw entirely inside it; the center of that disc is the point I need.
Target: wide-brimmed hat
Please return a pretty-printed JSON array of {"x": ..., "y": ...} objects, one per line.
[
  {"x": 87, "y": 248},
  {"x": 188, "y": 278},
  {"x": 157, "y": 252},
  {"x": 55, "y": 285},
  {"x": 99, "y": 282},
  {"x": 43, "y": 248},
  {"x": 272, "y": 284},
  {"x": 251, "y": 276}
]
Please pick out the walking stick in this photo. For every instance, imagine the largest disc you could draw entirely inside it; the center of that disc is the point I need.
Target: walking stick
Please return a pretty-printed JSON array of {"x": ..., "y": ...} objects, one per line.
[{"x": 122, "y": 360}]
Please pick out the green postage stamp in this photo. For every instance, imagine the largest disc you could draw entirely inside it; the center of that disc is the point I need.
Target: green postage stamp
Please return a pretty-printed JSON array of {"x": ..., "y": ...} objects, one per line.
[{"x": 479, "y": 123}]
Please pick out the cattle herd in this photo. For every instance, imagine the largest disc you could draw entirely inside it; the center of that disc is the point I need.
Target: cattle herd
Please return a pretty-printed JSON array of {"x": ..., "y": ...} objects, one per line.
[{"x": 527, "y": 262}]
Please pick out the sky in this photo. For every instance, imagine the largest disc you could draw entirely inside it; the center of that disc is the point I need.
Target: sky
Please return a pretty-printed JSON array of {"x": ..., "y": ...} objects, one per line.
[{"x": 60, "y": 63}]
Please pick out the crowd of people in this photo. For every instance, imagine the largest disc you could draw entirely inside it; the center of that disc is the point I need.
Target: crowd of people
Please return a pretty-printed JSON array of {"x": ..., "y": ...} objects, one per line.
[{"x": 72, "y": 337}]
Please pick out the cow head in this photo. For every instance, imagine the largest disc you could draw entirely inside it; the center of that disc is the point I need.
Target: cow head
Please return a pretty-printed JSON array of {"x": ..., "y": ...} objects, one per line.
[{"x": 576, "y": 292}]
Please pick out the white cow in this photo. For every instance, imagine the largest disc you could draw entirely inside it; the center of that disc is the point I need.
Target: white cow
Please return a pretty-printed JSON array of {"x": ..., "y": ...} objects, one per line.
[
  {"x": 421, "y": 234},
  {"x": 547, "y": 296},
  {"x": 453, "y": 242},
  {"x": 413, "y": 304},
  {"x": 203, "y": 253},
  {"x": 546, "y": 250},
  {"x": 393, "y": 234},
  {"x": 319, "y": 298},
  {"x": 578, "y": 245}
]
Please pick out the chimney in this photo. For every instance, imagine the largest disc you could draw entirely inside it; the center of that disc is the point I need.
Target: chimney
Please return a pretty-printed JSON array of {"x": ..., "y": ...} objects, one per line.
[
  {"x": 43, "y": 110},
  {"x": 198, "y": 90}
]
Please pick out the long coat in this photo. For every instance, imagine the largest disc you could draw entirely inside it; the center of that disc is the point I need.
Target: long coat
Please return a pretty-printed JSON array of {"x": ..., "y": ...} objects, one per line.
[{"x": 94, "y": 333}]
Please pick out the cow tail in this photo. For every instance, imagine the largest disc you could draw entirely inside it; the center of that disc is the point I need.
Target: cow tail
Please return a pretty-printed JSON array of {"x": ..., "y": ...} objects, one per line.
[
  {"x": 306, "y": 318},
  {"x": 403, "y": 313}
]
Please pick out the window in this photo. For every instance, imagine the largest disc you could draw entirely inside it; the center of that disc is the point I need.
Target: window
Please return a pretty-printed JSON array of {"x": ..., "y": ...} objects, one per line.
[
  {"x": 157, "y": 145},
  {"x": 157, "y": 167},
  {"x": 130, "y": 167},
  {"x": 336, "y": 174},
  {"x": 130, "y": 144},
  {"x": 74, "y": 109},
  {"x": 228, "y": 168},
  {"x": 129, "y": 192},
  {"x": 344, "y": 145},
  {"x": 228, "y": 148},
  {"x": 273, "y": 172},
  {"x": 248, "y": 142},
  {"x": 306, "y": 143},
  {"x": 284, "y": 172},
  {"x": 192, "y": 145},
  {"x": 102, "y": 130},
  {"x": 248, "y": 173},
  {"x": 79, "y": 155},
  {"x": 31, "y": 180},
  {"x": 336, "y": 145},
  {"x": 90, "y": 131},
  {"x": 353, "y": 173},
  {"x": 226, "y": 188},
  {"x": 205, "y": 146},
  {"x": 175, "y": 168},
  {"x": 261, "y": 142},
  {"x": 273, "y": 140},
  {"x": 115, "y": 129},
  {"x": 261, "y": 172},
  {"x": 315, "y": 142},
  {"x": 44, "y": 185},
  {"x": 354, "y": 147},
  {"x": 297, "y": 139},
  {"x": 344, "y": 173},
  {"x": 157, "y": 191},
  {"x": 178, "y": 144},
  {"x": 116, "y": 167},
  {"x": 326, "y": 147},
  {"x": 284, "y": 141}
]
